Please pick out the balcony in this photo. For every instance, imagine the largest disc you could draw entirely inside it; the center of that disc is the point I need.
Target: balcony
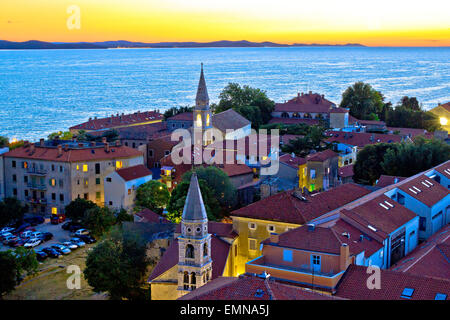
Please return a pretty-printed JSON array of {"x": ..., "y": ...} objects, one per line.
[
  {"x": 37, "y": 172},
  {"x": 37, "y": 186},
  {"x": 36, "y": 201}
]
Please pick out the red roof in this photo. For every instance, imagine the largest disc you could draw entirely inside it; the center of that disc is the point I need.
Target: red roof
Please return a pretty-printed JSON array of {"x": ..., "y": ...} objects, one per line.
[
  {"x": 119, "y": 120},
  {"x": 308, "y": 103},
  {"x": 409, "y": 132},
  {"x": 443, "y": 168},
  {"x": 425, "y": 190},
  {"x": 286, "y": 207},
  {"x": 346, "y": 171},
  {"x": 148, "y": 216},
  {"x": 339, "y": 110},
  {"x": 321, "y": 156},
  {"x": 293, "y": 161},
  {"x": 353, "y": 285},
  {"x": 219, "y": 255},
  {"x": 134, "y": 172},
  {"x": 381, "y": 213},
  {"x": 294, "y": 121},
  {"x": 184, "y": 116},
  {"x": 385, "y": 180},
  {"x": 446, "y": 106},
  {"x": 250, "y": 287},
  {"x": 361, "y": 139},
  {"x": 74, "y": 154}
]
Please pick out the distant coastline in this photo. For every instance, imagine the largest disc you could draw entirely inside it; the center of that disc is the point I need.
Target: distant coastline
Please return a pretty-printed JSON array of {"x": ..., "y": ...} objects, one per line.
[{"x": 35, "y": 44}]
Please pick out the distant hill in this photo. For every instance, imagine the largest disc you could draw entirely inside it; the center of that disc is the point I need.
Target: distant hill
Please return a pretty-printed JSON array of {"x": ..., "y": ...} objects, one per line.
[{"x": 34, "y": 44}]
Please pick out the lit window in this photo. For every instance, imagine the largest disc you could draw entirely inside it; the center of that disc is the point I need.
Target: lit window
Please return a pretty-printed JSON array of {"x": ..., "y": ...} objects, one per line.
[
  {"x": 25, "y": 165},
  {"x": 85, "y": 167},
  {"x": 407, "y": 293},
  {"x": 53, "y": 182},
  {"x": 119, "y": 164},
  {"x": 78, "y": 167},
  {"x": 54, "y": 210},
  {"x": 207, "y": 119},
  {"x": 199, "y": 120}
]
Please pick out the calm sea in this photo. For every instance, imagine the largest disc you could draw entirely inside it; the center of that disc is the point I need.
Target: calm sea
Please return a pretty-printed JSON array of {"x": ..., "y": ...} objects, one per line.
[{"x": 42, "y": 91}]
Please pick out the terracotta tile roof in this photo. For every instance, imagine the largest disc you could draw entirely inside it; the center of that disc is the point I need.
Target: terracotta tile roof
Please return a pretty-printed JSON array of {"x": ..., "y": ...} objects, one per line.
[
  {"x": 321, "y": 156},
  {"x": 219, "y": 229},
  {"x": 184, "y": 116},
  {"x": 219, "y": 255},
  {"x": 119, "y": 120},
  {"x": 251, "y": 287},
  {"x": 292, "y": 161},
  {"x": 425, "y": 190},
  {"x": 138, "y": 132},
  {"x": 446, "y": 106},
  {"x": 386, "y": 180},
  {"x": 148, "y": 216},
  {"x": 381, "y": 213},
  {"x": 353, "y": 286},
  {"x": 233, "y": 170},
  {"x": 286, "y": 207},
  {"x": 444, "y": 169},
  {"x": 229, "y": 119},
  {"x": 339, "y": 110},
  {"x": 294, "y": 121},
  {"x": 346, "y": 171},
  {"x": 74, "y": 154},
  {"x": 254, "y": 144},
  {"x": 134, "y": 172},
  {"x": 409, "y": 132},
  {"x": 310, "y": 103},
  {"x": 361, "y": 139}
]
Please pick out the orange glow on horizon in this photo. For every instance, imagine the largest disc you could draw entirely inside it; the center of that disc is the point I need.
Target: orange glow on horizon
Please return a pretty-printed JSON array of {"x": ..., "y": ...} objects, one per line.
[{"x": 386, "y": 23}]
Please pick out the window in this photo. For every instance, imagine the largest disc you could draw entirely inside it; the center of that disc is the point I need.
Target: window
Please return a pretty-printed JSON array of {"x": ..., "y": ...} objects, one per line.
[
  {"x": 134, "y": 144},
  {"x": 15, "y": 192},
  {"x": 207, "y": 119},
  {"x": 25, "y": 165},
  {"x": 53, "y": 182},
  {"x": 61, "y": 183},
  {"x": 97, "y": 180},
  {"x": 235, "y": 250},
  {"x": 14, "y": 178},
  {"x": 85, "y": 168},
  {"x": 440, "y": 296},
  {"x": 97, "y": 168},
  {"x": 252, "y": 244},
  {"x": 13, "y": 163},
  {"x": 78, "y": 167},
  {"x": 252, "y": 226},
  {"x": 119, "y": 164},
  {"x": 54, "y": 210},
  {"x": 53, "y": 196},
  {"x": 97, "y": 195},
  {"x": 26, "y": 193},
  {"x": 205, "y": 250},
  {"x": 271, "y": 228},
  {"x": 150, "y": 153},
  {"x": 190, "y": 251},
  {"x": 407, "y": 293},
  {"x": 108, "y": 179},
  {"x": 315, "y": 260},
  {"x": 287, "y": 255},
  {"x": 53, "y": 167},
  {"x": 61, "y": 197},
  {"x": 61, "y": 169},
  {"x": 199, "y": 120},
  {"x": 422, "y": 223},
  {"x": 110, "y": 203},
  {"x": 312, "y": 173},
  {"x": 86, "y": 196},
  {"x": 86, "y": 182},
  {"x": 25, "y": 179}
]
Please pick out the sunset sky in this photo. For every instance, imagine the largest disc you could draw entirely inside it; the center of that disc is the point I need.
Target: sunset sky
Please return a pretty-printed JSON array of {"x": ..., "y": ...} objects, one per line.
[{"x": 372, "y": 23}]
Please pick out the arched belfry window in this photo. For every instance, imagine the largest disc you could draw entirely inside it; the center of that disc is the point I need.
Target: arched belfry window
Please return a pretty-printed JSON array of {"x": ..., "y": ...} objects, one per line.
[
  {"x": 199, "y": 120},
  {"x": 190, "y": 251},
  {"x": 207, "y": 120},
  {"x": 205, "y": 249}
]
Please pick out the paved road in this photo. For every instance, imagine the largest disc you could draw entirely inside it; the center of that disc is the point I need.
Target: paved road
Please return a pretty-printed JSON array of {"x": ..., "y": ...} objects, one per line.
[{"x": 59, "y": 235}]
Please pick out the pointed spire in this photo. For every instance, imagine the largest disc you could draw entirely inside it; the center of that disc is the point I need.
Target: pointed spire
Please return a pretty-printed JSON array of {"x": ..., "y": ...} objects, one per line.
[
  {"x": 202, "y": 99},
  {"x": 194, "y": 209}
]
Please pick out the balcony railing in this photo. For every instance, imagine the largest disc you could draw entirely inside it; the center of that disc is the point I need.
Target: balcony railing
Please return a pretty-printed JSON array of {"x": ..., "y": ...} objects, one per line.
[
  {"x": 37, "y": 186},
  {"x": 36, "y": 201},
  {"x": 37, "y": 171}
]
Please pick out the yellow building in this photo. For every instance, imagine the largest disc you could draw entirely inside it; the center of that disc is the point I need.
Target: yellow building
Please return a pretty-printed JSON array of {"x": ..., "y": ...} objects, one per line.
[{"x": 443, "y": 112}]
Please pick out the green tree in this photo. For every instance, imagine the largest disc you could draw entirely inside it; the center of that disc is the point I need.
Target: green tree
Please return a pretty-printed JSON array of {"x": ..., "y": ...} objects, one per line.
[
  {"x": 176, "y": 110},
  {"x": 411, "y": 158},
  {"x": 4, "y": 141},
  {"x": 77, "y": 208},
  {"x": 66, "y": 135},
  {"x": 404, "y": 117},
  {"x": 219, "y": 184},
  {"x": 11, "y": 211},
  {"x": 117, "y": 265},
  {"x": 153, "y": 195},
  {"x": 99, "y": 220},
  {"x": 178, "y": 199},
  {"x": 123, "y": 216},
  {"x": 410, "y": 103},
  {"x": 251, "y": 113},
  {"x": 367, "y": 168},
  {"x": 234, "y": 96},
  {"x": 363, "y": 101}
]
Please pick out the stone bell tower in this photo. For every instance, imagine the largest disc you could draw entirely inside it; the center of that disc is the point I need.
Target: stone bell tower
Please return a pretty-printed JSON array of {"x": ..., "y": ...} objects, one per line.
[
  {"x": 202, "y": 113},
  {"x": 194, "y": 243}
]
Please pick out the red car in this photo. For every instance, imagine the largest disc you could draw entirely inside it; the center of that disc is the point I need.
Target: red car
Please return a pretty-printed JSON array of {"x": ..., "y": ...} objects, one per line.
[{"x": 57, "y": 218}]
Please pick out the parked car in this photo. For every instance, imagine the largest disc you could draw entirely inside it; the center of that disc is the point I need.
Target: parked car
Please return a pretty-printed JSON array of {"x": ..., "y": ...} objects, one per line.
[
  {"x": 70, "y": 245},
  {"x": 35, "y": 234},
  {"x": 57, "y": 218},
  {"x": 18, "y": 243},
  {"x": 52, "y": 252},
  {"x": 10, "y": 241},
  {"x": 21, "y": 228},
  {"x": 61, "y": 248},
  {"x": 32, "y": 243},
  {"x": 26, "y": 234},
  {"x": 78, "y": 242},
  {"x": 4, "y": 235},
  {"x": 41, "y": 255},
  {"x": 87, "y": 239},
  {"x": 46, "y": 236},
  {"x": 8, "y": 238},
  {"x": 81, "y": 232},
  {"x": 34, "y": 221},
  {"x": 6, "y": 229}
]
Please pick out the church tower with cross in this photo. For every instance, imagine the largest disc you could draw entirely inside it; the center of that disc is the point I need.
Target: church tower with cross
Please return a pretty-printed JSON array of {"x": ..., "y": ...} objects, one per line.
[
  {"x": 202, "y": 114},
  {"x": 194, "y": 243}
]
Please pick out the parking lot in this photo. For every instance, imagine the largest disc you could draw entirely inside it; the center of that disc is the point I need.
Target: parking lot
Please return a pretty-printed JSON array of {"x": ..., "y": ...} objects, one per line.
[{"x": 59, "y": 235}]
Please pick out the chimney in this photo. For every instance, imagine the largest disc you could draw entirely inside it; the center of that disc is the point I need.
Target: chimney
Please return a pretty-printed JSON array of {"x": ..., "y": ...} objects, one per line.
[
  {"x": 41, "y": 142},
  {"x": 274, "y": 237},
  {"x": 103, "y": 139},
  {"x": 311, "y": 227},
  {"x": 59, "y": 150},
  {"x": 32, "y": 147},
  {"x": 66, "y": 147},
  {"x": 310, "y": 92},
  {"x": 298, "y": 94},
  {"x": 344, "y": 258},
  {"x": 106, "y": 147}
]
